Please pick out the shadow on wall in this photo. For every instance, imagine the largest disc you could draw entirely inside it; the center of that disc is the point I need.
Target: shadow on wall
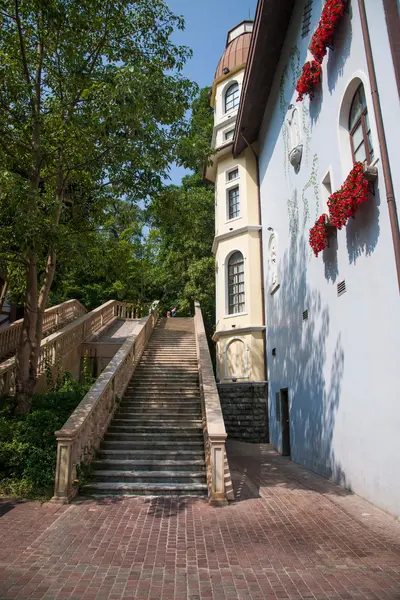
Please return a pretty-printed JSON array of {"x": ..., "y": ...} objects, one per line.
[
  {"x": 339, "y": 54},
  {"x": 302, "y": 361},
  {"x": 362, "y": 233}
]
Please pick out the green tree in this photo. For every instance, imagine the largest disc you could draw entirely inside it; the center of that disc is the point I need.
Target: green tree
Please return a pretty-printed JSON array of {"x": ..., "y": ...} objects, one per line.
[
  {"x": 91, "y": 105},
  {"x": 182, "y": 223}
]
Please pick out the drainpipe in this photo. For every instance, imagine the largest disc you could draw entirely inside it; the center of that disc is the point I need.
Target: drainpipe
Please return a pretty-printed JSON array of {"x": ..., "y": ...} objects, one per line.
[
  {"x": 261, "y": 256},
  {"x": 387, "y": 174}
]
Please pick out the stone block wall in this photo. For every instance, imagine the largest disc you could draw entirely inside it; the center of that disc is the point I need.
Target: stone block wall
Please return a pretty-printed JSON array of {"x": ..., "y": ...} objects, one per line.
[{"x": 244, "y": 406}]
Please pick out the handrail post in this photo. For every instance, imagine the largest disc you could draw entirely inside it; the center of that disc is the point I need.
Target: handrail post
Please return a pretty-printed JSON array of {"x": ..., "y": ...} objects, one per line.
[
  {"x": 64, "y": 490},
  {"x": 218, "y": 469}
]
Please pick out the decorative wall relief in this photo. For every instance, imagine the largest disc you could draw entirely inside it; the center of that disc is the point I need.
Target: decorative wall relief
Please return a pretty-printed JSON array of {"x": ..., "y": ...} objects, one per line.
[
  {"x": 296, "y": 146},
  {"x": 312, "y": 182},
  {"x": 292, "y": 69},
  {"x": 273, "y": 264}
]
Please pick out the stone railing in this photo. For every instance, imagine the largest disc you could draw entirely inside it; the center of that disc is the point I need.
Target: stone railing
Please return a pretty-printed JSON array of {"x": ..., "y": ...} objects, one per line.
[
  {"x": 80, "y": 437},
  {"x": 52, "y": 319},
  {"x": 128, "y": 311},
  {"x": 58, "y": 345},
  {"x": 218, "y": 475}
]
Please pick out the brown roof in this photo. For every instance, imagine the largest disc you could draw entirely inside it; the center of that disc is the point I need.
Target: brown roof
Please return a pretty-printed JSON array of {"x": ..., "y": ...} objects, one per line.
[
  {"x": 270, "y": 27},
  {"x": 235, "y": 54}
]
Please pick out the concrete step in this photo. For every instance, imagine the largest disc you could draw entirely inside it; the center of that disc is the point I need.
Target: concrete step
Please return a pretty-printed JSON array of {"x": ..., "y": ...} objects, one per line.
[
  {"x": 161, "y": 428},
  {"x": 154, "y": 378},
  {"x": 145, "y": 455},
  {"x": 154, "y": 436},
  {"x": 167, "y": 385},
  {"x": 161, "y": 401},
  {"x": 157, "y": 416},
  {"x": 149, "y": 476},
  {"x": 180, "y": 446},
  {"x": 146, "y": 421},
  {"x": 149, "y": 465},
  {"x": 139, "y": 489},
  {"x": 162, "y": 391}
]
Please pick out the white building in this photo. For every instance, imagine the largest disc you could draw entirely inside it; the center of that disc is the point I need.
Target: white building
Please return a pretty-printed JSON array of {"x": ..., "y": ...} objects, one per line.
[{"x": 332, "y": 322}]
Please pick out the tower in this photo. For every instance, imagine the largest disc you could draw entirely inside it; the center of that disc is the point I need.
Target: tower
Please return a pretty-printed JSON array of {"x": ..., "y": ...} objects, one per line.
[{"x": 240, "y": 327}]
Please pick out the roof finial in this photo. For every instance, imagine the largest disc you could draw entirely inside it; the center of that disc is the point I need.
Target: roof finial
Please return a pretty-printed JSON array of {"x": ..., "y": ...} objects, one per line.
[{"x": 249, "y": 14}]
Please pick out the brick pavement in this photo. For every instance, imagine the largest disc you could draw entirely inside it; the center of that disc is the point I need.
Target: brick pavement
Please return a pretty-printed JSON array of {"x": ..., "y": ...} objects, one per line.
[{"x": 290, "y": 534}]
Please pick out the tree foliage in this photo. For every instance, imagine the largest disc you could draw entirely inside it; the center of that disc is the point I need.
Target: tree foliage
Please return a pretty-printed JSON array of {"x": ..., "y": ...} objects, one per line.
[
  {"x": 91, "y": 106},
  {"x": 182, "y": 222}
]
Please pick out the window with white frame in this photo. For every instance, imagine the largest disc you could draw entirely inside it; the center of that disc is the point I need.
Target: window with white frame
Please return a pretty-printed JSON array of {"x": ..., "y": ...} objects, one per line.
[
  {"x": 360, "y": 129},
  {"x": 236, "y": 299},
  {"x": 233, "y": 174},
  {"x": 233, "y": 203},
  {"x": 232, "y": 97},
  {"x": 228, "y": 135}
]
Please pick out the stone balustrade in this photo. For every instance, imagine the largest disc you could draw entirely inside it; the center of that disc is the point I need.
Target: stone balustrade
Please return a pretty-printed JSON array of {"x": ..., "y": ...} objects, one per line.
[
  {"x": 56, "y": 346},
  {"x": 128, "y": 311},
  {"x": 52, "y": 319},
  {"x": 218, "y": 475},
  {"x": 80, "y": 437}
]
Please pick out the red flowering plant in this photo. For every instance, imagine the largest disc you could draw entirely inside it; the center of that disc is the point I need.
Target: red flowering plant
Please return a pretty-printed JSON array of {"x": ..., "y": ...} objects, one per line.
[
  {"x": 319, "y": 234},
  {"x": 344, "y": 203},
  {"x": 309, "y": 78},
  {"x": 331, "y": 14}
]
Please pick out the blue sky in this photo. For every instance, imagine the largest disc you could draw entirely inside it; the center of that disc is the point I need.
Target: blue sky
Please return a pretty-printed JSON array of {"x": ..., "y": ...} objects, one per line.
[{"x": 207, "y": 23}]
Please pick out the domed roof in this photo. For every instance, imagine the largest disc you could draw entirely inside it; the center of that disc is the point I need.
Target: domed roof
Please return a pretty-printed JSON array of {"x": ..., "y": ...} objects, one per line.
[{"x": 235, "y": 54}]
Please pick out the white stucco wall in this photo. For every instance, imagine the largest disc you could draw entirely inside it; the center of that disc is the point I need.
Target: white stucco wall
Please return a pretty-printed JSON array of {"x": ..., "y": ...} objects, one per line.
[{"x": 342, "y": 366}]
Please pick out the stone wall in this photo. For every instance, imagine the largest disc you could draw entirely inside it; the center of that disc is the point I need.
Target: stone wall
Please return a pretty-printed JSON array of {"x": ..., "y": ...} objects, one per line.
[{"x": 244, "y": 406}]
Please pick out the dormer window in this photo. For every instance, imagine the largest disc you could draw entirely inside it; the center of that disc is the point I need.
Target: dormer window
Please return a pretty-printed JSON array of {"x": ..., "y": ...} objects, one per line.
[{"x": 232, "y": 97}]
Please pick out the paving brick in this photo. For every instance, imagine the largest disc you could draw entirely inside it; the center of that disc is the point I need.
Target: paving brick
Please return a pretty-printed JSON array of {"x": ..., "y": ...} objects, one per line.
[{"x": 289, "y": 535}]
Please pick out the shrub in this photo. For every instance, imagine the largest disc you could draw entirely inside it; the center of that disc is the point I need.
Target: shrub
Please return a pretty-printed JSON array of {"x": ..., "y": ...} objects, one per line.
[{"x": 28, "y": 447}]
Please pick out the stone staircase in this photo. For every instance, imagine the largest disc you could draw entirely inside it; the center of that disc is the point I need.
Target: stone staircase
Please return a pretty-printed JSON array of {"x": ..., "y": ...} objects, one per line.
[{"x": 154, "y": 444}]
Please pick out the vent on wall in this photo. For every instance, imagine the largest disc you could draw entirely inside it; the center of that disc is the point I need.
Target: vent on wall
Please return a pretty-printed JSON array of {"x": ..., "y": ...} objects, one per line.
[
  {"x": 305, "y": 30},
  {"x": 305, "y": 315},
  {"x": 341, "y": 287}
]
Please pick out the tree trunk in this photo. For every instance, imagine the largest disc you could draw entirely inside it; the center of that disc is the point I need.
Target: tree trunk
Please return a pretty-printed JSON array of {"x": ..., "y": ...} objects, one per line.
[
  {"x": 3, "y": 294},
  {"x": 28, "y": 351}
]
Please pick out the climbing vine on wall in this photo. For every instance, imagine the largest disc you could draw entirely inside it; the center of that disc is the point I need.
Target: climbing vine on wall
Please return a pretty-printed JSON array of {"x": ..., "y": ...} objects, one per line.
[
  {"x": 305, "y": 117},
  {"x": 311, "y": 183},
  {"x": 286, "y": 164},
  {"x": 293, "y": 211},
  {"x": 294, "y": 62}
]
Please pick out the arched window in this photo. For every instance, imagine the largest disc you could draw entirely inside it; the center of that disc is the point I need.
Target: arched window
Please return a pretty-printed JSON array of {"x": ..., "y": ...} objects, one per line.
[
  {"x": 360, "y": 129},
  {"x": 236, "y": 283},
  {"x": 232, "y": 97}
]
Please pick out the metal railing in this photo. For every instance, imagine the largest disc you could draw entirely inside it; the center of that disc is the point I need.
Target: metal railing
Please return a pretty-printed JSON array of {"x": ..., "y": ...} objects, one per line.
[
  {"x": 52, "y": 319},
  {"x": 218, "y": 475},
  {"x": 80, "y": 437}
]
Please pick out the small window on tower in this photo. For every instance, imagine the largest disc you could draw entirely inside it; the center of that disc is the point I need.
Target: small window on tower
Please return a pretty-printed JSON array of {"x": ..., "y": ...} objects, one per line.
[
  {"x": 228, "y": 135},
  {"x": 234, "y": 174}
]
